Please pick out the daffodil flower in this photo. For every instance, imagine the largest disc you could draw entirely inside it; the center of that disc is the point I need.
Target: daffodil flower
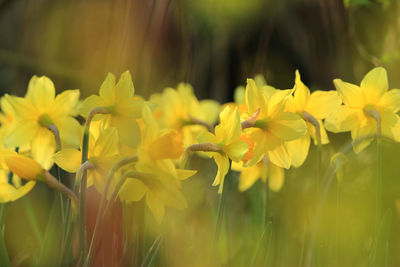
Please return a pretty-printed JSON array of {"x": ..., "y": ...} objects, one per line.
[
  {"x": 121, "y": 107},
  {"x": 27, "y": 169},
  {"x": 157, "y": 177},
  {"x": 179, "y": 109},
  {"x": 37, "y": 113},
  {"x": 11, "y": 187},
  {"x": 102, "y": 155},
  {"x": 273, "y": 126},
  {"x": 227, "y": 143},
  {"x": 369, "y": 109},
  {"x": 313, "y": 108}
]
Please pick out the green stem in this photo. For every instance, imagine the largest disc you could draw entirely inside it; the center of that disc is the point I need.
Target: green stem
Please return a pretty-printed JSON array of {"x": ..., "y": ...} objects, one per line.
[
  {"x": 82, "y": 197},
  {"x": 337, "y": 223},
  {"x": 220, "y": 215},
  {"x": 378, "y": 181},
  {"x": 266, "y": 205},
  {"x": 3, "y": 211}
]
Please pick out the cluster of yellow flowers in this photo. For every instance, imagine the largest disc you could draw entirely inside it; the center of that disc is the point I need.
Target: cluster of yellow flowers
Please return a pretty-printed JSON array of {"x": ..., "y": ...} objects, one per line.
[{"x": 139, "y": 147}]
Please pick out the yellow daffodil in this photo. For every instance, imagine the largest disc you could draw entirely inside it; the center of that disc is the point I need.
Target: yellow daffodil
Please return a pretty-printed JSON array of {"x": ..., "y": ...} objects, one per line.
[
  {"x": 7, "y": 119},
  {"x": 103, "y": 154},
  {"x": 157, "y": 179},
  {"x": 313, "y": 108},
  {"x": 39, "y": 110},
  {"x": 179, "y": 109},
  {"x": 273, "y": 126},
  {"x": 262, "y": 170},
  {"x": 369, "y": 109},
  {"x": 11, "y": 187},
  {"x": 121, "y": 106},
  {"x": 227, "y": 140}
]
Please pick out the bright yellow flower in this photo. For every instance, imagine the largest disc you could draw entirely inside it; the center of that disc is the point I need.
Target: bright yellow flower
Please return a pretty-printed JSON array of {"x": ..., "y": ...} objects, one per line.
[
  {"x": 122, "y": 107},
  {"x": 7, "y": 119},
  {"x": 38, "y": 110},
  {"x": 273, "y": 126},
  {"x": 11, "y": 191},
  {"x": 227, "y": 138},
  {"x": 160, "y": 180},
  {"x": 103, "y": 154},
  {"x": 365, "y": 108},
  {"x": 11, "y": 188},
  {"x": 179, "y": 109},
  {"x": 24, "y": 167},
  {"x": 313, "y": 108}
]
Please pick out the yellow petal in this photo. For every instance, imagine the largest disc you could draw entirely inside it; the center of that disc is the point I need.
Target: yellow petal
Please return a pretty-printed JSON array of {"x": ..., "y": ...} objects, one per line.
[
  {"x": 68, "y": 159},
  {"x": 374, "y": 85},
  {"x": 22, "y": 107},
  {"x": 222, "y": 162},
  {"x": 132, "y": 190},
  {"x": 342, "y": 119},
  {"x": 106, "y": 90},
  {"x": 207, "y": 137},
  {"x": 298, "y": 150},
  {"x": 390, "y": 100},
  {"x": 322, "y": 103},
  {"x": 236, "y": 150},
  {"x": 65, "y": 104},
  {"x": 209, "y": 110},
  {"x": 363, "y": 136},
  {"x": 288, "y": 126},
  {"x": 184, "y": 174},
  {"x": 280, "y": 157},
  {"x": 128, "y": 130},
  {"x": 10, "y": 193},
  {"x": 167, "y": 146},
  {"x": 301, "y": 93},
  {"x": 41, "y": 92},
  {"x": 277, "y": 101},
  {"x": 23, "y": 133},
  {"x": 230, "y": 128},
  {"x": 351, "y": 94},
  {"x": 124, "y": 88},
  {"x": 254, "y": 97},
  {"x": 24, "y": 167},
  {"x": 43, "y": 147},
  {"x": 276, "y": 178},
  {"x": 107, "y": 143},
  {"x": 259, "y": 148},
  {"x": 70, "y": 131},
  {"x": 155, "y": 206},
  {"x": 249, "y": 176},
  {"x": 88, "y": 104}
]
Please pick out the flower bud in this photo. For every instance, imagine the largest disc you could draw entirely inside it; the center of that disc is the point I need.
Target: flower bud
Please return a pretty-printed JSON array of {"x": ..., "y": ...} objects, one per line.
[{"x": 25, "y": 167}]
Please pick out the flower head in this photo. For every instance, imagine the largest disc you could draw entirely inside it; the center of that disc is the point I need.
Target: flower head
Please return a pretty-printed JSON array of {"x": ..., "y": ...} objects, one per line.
[
  {"x": 39, "y": 110},
  {"x": 122, "y": 107},
  {"x": 369, "y": 109},
  {"x": 313, "y": 107}
]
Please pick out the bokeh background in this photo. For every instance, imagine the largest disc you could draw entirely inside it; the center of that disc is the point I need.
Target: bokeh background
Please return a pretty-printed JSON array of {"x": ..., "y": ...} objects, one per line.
[{"x": 215, "y": 45}]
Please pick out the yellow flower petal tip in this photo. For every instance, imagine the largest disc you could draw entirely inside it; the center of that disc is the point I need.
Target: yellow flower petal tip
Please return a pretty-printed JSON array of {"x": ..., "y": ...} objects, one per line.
[{"x": 24, "y": 167}]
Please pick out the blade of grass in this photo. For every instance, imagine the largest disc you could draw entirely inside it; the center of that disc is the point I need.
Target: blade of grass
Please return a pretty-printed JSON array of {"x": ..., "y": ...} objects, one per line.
[{"x": 152, "y": 252}]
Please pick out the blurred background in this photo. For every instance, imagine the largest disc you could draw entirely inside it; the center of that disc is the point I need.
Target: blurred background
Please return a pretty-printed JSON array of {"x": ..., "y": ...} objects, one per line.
[{"x": 215, "y": 46}]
